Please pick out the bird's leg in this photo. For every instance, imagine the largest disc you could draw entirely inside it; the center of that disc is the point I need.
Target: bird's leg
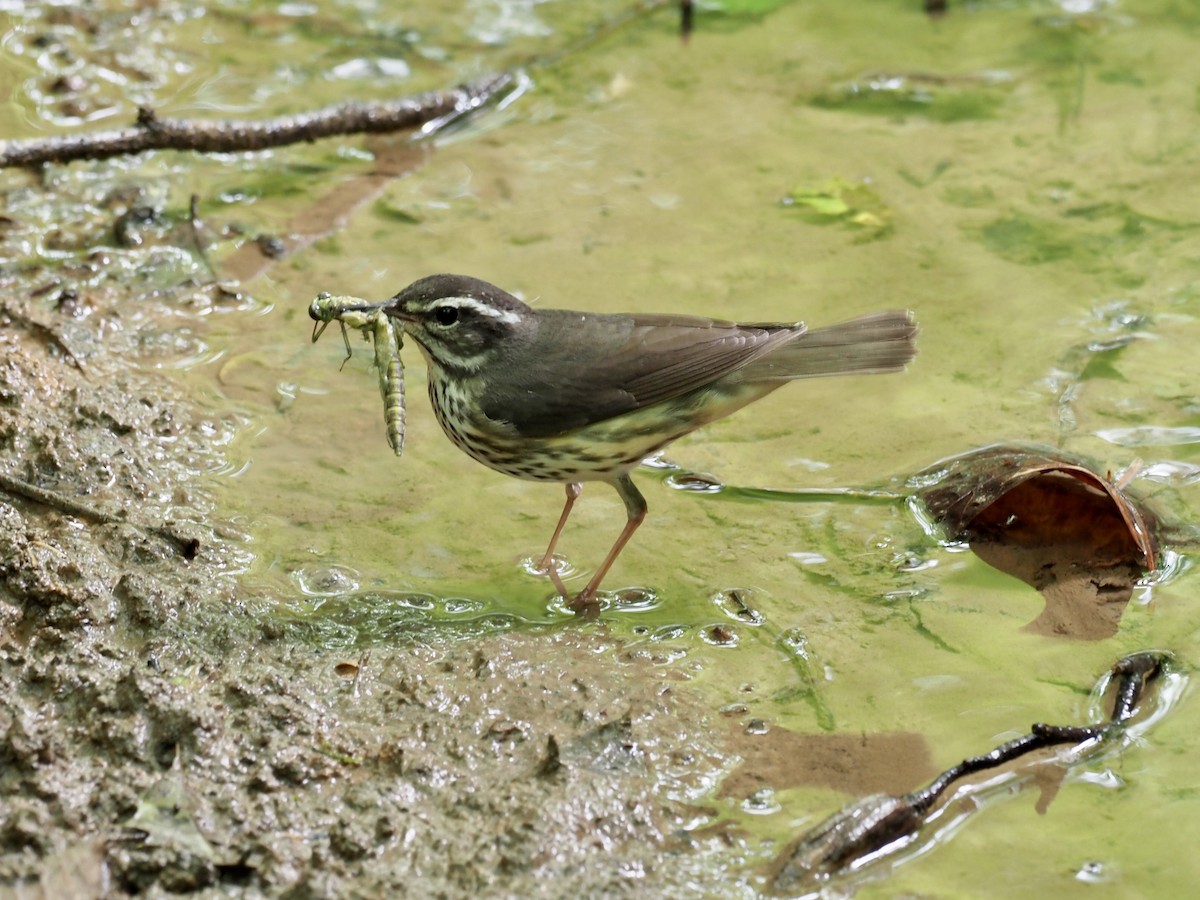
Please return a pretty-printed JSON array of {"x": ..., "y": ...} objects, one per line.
[
  {"x": 547, "y": 563},
  {"x": 635, "y": 508}
]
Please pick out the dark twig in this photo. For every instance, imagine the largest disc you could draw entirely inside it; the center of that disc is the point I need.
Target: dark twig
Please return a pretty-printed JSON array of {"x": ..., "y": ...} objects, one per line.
[
  {"x": 1135, "y": 672},
  {"x": 1040, "y": 737},
  {"x": 44, "y": 332},
  {"x": 195, "y": 222},
  {"x": 884, "y": 822},
  {"x": 1131, "y": 673},
  {"x": 188, "y": 547},
  {"x": 233, "y": 135}
]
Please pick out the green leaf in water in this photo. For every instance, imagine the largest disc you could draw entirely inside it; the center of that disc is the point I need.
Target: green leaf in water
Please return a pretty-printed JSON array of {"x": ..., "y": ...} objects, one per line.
[
  {"x": 1027, "y": 241},
  {"x": 821, "y": 202},
  {"x": 1102, "y": 365},
  {"x": 837, "y": 200}
]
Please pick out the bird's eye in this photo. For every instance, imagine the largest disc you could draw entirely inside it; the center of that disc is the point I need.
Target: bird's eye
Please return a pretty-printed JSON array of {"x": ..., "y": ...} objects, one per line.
[{"x": 446, "y": 315}]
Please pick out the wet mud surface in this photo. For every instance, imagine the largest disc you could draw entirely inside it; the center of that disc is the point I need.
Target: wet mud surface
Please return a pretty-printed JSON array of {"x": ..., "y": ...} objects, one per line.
[
  {"x": 157, "y": 735},
  {"x": 161, "y": 734}
]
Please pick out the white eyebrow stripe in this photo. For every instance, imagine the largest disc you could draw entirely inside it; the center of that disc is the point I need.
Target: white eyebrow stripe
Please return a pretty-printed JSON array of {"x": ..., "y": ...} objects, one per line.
[{"x": 506, "y": 316}]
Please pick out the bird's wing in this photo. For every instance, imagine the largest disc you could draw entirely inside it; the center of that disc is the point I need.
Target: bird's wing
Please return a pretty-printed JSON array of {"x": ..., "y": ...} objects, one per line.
[{"x": 581, "y": 369}]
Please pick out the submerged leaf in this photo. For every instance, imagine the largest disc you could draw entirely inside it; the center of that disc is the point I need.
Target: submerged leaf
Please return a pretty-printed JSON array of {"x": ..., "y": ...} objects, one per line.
[{"x": 824, "y": 203}]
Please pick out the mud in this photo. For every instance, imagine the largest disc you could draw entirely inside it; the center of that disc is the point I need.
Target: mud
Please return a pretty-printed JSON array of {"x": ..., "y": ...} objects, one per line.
[
  {"x": 157, "y": 735},
  {"x": 162, "y": 733},
  {"x": 165, "y": 731}
]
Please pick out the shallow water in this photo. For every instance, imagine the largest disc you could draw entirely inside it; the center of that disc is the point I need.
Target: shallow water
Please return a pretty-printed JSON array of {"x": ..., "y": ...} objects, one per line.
[
  {"x": 1019, "y": 175},
  {"x": 1030, "y": 171}
]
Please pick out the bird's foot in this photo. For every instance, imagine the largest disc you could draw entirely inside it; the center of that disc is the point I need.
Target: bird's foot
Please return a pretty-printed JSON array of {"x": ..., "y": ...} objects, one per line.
[{"x": 585, "y": 603}]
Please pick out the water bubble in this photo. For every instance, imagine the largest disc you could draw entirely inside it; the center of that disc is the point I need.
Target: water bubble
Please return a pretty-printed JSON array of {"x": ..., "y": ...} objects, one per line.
[
  {"x": 634, "y": 599},
  {"x": 1093, "y": 872},
  {"x": 696, "y": 482},
  {"x": 457, "y": 606},
  {"x": 326, "y": 581},
  {"x": 422, "y": 602},
  {"x": 720, "y": 636},
  {"x": 761, "y": 803},
  {"x": 736, "y": 603},
  {"x": 530, "y": 565},
  {"x": 658, "y": 461},
  {"x": 668, "y": 632}
]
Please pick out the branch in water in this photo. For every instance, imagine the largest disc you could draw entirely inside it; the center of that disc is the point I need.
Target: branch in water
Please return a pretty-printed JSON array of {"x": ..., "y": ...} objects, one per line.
[{"x": 233, "y": 135}]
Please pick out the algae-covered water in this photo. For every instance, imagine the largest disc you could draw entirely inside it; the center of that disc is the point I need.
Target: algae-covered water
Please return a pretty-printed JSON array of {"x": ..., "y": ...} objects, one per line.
[{"x": 1021, "y": 175}]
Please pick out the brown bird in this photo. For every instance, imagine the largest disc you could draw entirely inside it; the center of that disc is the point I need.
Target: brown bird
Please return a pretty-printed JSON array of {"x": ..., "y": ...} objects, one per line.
[{"x": 564, "y": 396}]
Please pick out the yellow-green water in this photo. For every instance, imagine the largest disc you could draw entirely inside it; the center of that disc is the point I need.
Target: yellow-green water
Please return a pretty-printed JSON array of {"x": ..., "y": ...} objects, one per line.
[
  {"x": 1030, "y": 179},
  {"x": 1054, "y": 197}
]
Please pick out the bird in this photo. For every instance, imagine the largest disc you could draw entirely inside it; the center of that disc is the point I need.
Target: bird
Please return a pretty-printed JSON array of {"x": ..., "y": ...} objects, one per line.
[{"x": 556, "y": 395}]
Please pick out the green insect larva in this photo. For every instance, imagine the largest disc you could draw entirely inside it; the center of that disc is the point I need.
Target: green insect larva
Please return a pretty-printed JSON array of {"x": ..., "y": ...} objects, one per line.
[
  {"x": 388, "y": 339},
  {"x": 387, "y": 336}
]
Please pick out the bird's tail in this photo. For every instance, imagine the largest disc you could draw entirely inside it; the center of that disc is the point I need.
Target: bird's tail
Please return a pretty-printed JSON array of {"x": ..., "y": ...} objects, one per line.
[{"x": 878, "y": 342}]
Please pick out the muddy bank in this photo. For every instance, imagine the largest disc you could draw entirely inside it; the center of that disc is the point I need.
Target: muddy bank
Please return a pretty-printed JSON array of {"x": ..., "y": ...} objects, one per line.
[
  {"x": 158, "y": 734},
  {"x": 164, "y": 731}
]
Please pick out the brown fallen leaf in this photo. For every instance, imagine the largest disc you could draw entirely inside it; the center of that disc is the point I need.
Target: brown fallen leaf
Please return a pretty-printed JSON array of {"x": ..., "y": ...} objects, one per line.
[{"x": 1056, "y": 524}]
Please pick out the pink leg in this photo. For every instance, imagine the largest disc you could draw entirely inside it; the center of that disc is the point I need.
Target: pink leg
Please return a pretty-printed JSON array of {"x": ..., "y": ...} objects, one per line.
[
  {"x": 635, "y": 508},
  {"x": 547, "y": 562}
]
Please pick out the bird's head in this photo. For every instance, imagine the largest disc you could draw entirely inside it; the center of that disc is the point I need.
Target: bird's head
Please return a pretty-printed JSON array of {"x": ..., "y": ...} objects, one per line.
[{"x": 460, "y": 322}]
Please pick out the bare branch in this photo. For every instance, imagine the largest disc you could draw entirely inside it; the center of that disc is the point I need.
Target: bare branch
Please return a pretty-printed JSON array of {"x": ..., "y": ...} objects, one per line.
[{"x": 234, "y": 135}]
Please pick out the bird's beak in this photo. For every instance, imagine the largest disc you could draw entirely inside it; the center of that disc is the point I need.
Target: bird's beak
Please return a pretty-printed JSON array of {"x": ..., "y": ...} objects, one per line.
[{"x": 391, "y": 308}]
